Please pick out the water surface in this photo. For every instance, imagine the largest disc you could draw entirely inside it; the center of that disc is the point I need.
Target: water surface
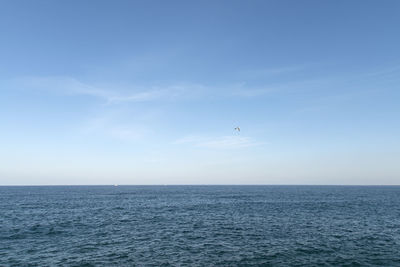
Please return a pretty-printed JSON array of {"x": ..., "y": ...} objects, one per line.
[{"x": 200, "y": 226}]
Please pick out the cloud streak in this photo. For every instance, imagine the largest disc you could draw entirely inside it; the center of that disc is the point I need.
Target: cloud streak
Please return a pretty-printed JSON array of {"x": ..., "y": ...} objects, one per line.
[
  {"x": 109, "y": 126},
  {"x": 112, "y": 94},
  {"x": 249, "y": 92},
  {"x": 222, "y": 142},
  {"x": 268, "y": 72}
]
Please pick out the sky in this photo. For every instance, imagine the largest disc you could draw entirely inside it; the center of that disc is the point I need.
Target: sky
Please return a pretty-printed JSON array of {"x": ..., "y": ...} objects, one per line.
[{"x": 149, "y": 92}]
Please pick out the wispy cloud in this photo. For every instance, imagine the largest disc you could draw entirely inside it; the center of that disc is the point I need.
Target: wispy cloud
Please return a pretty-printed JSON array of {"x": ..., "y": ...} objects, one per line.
[
  {"x": 223, "y": 142},
  {"x": 268, "y": 72},
  {"x": 111, "y": 94},
  {"x": 229, "y": 142},
  {"x": 66, "y": 85},
  {"x": 393, "y": 70},
  {"x": 254, "y": 91},
  {"x": 107, "y": 126}
]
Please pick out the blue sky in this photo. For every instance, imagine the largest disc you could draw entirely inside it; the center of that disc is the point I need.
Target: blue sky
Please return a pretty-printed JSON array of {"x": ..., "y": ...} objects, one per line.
[{"x": 149, "y": 92}]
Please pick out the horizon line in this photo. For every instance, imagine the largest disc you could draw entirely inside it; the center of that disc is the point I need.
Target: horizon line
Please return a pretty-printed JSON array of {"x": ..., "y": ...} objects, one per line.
[{"x": 116, "y": 185}]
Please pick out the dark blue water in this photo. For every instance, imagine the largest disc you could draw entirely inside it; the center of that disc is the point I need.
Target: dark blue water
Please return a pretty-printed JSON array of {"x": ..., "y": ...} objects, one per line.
[{"x": 200, "y": 226}]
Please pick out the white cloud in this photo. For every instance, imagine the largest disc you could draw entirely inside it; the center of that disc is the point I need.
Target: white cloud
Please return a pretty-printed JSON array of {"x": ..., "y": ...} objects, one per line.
[
  {"x": 388, "y": 71},
  {"x": 112, "y": 94},
  {"x": 111, "y": 126},
  {"x": 126, "y": 133},
  {"x": 228, "y": 142},
  {"x": 263, "y": 72},
  {"x": 247, "y": 91},
  {"x": 188, "y": 139},
  {"x": 223, "y": 142},
  {"x": 66, "y": 85}
]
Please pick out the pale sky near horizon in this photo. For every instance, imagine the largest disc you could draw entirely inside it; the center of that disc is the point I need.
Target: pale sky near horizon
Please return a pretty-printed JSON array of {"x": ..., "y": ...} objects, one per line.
[{"x": 149, "y": 92}]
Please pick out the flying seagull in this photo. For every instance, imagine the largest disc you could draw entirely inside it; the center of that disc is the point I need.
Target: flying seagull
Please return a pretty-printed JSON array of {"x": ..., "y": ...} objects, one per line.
[{"x": 237, "y": 129}]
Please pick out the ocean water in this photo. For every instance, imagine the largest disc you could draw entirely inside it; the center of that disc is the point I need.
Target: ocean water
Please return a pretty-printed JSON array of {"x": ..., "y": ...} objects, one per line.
[{"x": 200, "y": 226}]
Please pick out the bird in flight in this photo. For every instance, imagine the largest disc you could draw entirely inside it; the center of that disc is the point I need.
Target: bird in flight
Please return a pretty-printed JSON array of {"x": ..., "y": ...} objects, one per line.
[{"x": 237, "y": 129}]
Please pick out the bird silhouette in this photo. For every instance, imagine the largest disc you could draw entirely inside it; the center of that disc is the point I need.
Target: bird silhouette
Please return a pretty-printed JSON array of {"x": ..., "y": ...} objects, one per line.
[{"x": 237, "y": 129}]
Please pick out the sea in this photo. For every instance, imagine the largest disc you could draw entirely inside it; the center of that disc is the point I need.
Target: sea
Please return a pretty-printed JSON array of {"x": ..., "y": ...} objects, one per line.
[{"x": 200, "y": 226}]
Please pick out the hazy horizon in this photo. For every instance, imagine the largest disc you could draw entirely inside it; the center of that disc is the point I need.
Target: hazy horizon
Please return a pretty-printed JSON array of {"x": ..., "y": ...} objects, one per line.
[
  {"x": 149, "y": 92},
  {"x": 201, "y": 185}
]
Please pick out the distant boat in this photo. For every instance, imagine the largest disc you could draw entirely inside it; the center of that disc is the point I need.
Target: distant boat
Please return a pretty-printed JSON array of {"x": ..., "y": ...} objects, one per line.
[{"x": 115, "y": 185}]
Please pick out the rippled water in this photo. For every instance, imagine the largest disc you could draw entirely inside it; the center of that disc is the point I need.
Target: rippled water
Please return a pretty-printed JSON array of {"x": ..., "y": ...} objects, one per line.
[{"x": 199, "y": 226}]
